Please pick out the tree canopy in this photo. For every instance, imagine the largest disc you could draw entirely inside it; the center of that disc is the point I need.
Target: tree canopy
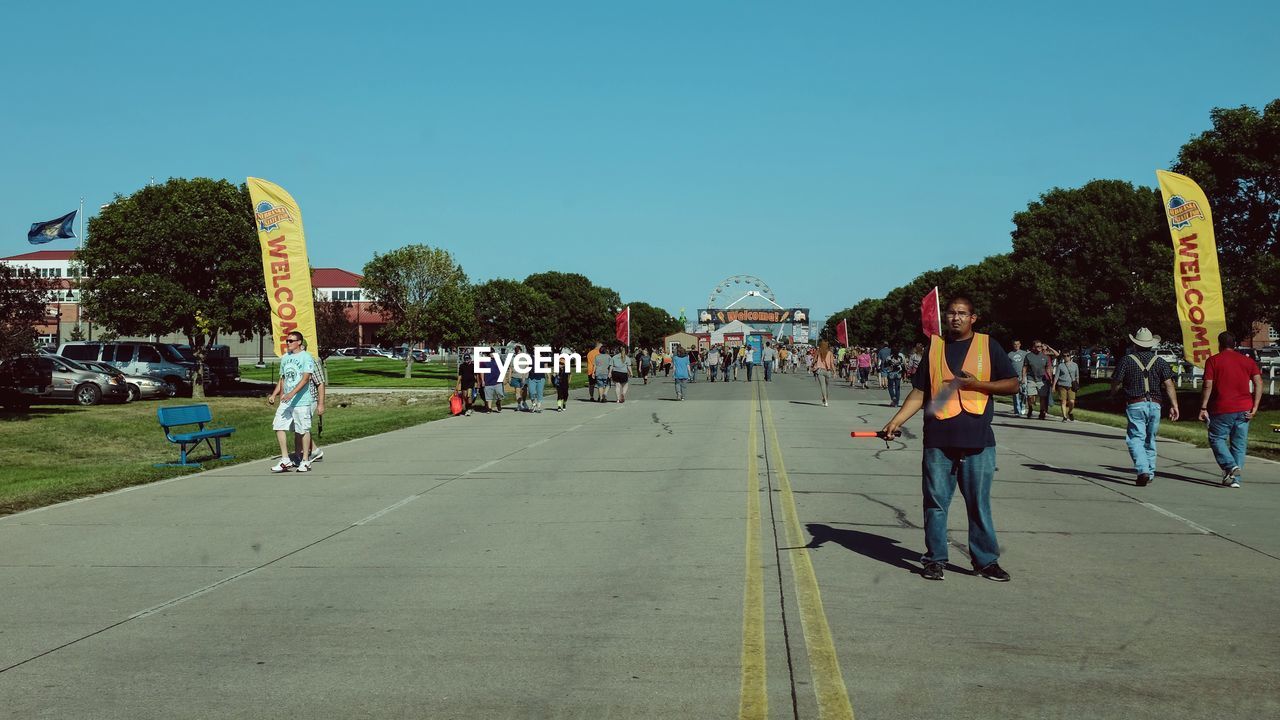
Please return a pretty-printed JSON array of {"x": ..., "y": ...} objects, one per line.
[
  {"x": 423, "y": 295},
  {"x": 24, "y": 299},
  {"x": 334, "y": 328},
  {"x": 1237, "y": 164},
  {"x": 649, "y": 324},
  {"x": 511, "y": 310},
  {"x": 583, "y": 312},
  {"x": 180, "y": 257},
  {"x": 1090, "y": 264}
]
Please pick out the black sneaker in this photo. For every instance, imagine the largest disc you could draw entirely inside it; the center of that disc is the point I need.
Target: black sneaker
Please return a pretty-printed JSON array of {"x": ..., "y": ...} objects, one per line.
[
  {"x": 933, "y": 571},
  {"x": 1143, "y": 479},
  {"x": 994, "y": 573}
]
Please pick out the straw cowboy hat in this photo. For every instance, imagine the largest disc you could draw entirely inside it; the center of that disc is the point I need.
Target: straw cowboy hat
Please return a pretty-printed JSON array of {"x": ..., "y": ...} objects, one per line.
[{"x": 1144, "y": 338}]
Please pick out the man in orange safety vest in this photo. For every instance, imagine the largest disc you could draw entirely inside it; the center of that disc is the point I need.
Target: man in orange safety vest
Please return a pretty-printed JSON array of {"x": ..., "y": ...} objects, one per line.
[{"x": 954, "y": 383}]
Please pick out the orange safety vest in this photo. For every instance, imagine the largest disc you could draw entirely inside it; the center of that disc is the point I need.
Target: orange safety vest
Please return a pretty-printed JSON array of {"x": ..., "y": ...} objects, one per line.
[{"x": 976, "y": 363}]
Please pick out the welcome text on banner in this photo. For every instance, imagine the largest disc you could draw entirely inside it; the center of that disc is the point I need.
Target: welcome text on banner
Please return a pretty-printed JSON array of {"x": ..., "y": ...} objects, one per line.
[
  {"x": 284, "y": 263},
  {"x": 1196, "y": 281}
]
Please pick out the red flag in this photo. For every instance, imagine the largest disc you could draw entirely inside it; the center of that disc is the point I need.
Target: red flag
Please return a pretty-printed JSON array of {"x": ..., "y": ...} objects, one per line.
[
  {"x": 622, "y": 326},
  {"x": 930, "y": 319},
  {"x": 842, "y": 332}
]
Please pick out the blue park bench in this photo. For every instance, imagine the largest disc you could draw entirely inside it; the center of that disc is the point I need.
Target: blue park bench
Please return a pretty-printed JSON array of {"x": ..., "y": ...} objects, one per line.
[{"x": 179, "y": 415}]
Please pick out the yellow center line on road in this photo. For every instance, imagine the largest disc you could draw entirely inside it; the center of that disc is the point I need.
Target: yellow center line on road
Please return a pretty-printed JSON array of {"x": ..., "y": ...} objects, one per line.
[
  {"x": 754, "y": 699},
  {"x": 824, "y": 665}
]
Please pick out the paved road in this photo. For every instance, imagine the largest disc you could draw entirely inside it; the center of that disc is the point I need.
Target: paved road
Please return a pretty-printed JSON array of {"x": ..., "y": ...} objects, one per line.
[{"x": 736, "y": 553}]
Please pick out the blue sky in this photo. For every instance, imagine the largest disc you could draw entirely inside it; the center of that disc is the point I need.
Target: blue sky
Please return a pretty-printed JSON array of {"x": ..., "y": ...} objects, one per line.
[{"x": 832, "y": 150}]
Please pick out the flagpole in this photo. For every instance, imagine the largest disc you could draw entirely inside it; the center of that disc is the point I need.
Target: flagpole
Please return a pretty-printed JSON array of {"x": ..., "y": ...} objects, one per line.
[
  {"x": 937, "y": 307},
  {"x": 79, "y": 274}
]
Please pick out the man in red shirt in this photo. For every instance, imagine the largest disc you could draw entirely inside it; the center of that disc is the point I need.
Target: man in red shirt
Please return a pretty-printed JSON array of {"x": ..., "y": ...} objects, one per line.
[{"x": 1228, "y": 404}]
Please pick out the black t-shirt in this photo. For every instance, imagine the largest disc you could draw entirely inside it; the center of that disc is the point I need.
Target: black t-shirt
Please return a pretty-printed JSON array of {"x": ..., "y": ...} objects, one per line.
[
  {"x": 963, "y": 430},
  {"x": 467, "y": 375}
]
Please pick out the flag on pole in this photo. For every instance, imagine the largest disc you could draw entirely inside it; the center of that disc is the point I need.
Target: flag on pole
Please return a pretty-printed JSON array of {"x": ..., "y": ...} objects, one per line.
[
  {"x": 43, "y": 232},
  {"x": 931, "y": 314},
  {"x": 622, "y": 326},
  {"x": 1195, "y": 266},
  {"x": 284, "y": 263},
  {"x": 842, "y": 332}
]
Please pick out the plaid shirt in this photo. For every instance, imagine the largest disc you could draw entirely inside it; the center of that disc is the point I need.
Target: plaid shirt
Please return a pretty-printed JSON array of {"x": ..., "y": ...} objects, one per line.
[
  {"x": 317, "y": 379},
  {"x": 1129, "y": 375}
]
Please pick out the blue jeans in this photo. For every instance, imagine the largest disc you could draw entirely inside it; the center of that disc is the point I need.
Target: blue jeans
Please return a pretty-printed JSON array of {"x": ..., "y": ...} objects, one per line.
[
  {"x": 895, "y": 388},
  {"x": 680, "y": 383},
  {"x": 1144, "y": 422},
  {"x": 1229, "y": 438},
  {"x": 1019, "y": 403},
  {"x": 749, "y": 366},
  {"x": 536, "y": 388},
  {"x": 972, "y": 470},
  {"x": 768, "y": 370}
]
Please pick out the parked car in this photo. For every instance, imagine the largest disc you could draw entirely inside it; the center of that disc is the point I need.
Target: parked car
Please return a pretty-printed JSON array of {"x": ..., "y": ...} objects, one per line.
[
  {"x": 221, "y": 369},
  {"x": 140, "y": 387},
  {"x": 157, "y": 360},
  {"x": 402, "y": 351},
  {"x": 1268, "y": 357},
  {"x": 25, "y": 379},
  {"x": 73, "y": 381},
  {"x": 364, "y": 351}
]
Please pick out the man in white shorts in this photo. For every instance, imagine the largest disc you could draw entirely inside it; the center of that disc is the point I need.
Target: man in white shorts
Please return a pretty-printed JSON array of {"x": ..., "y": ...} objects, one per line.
[{"x": 293, "y": 389}]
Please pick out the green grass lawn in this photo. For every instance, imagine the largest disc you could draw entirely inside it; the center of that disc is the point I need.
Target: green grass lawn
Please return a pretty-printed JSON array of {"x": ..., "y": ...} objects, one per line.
[
  {"x": 368, "y": 372},
  {"x": 1094, "y": 404},
  {"x": 60, "y": 452},
  {"x": 384, "y": 373}
]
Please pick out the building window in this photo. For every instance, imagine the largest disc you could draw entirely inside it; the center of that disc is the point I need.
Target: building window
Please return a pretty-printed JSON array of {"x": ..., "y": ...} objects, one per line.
[{"x": 346, "y": 295}]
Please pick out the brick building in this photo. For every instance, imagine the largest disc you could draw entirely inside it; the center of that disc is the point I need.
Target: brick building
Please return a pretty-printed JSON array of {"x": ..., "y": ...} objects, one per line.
[{"x": 64, "y": 307}]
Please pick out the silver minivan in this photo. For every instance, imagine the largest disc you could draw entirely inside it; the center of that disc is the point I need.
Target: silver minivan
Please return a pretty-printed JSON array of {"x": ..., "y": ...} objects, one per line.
[
  {"x": 85, "y": 386},
  {"x": 155, "y": 360}
]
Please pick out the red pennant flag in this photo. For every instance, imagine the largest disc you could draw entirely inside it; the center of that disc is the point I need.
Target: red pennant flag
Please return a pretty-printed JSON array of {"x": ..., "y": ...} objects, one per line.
[
  {"x": 842, "y": 332},
  {"x": 930, "y": 314},
  {"x": 622, "y": 326}
]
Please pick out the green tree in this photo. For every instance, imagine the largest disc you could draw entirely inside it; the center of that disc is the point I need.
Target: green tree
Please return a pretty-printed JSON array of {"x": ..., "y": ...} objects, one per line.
[
  {"x": 422, "y": 293},
  {"x": 334, "y": 327},
  {"x": 24, "y": 303},
  {"x": 178, "y": 257},
  {"x": 583, "y": 313},
  {"x": 456, "y": 318},
  {"x": 1237, "y": 164},
  {"x": 649, "y": 325},
  {"x": 1091, "y": 264},
  {"x": 509, "y": 310}
]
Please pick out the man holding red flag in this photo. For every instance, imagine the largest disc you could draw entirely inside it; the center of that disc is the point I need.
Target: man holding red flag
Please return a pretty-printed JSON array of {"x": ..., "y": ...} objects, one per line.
[{"x": 959, "y": 446}]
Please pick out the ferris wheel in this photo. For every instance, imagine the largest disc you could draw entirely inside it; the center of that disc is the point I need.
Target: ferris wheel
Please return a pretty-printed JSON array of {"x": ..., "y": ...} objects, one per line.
[{"x": 736, "y": 288}]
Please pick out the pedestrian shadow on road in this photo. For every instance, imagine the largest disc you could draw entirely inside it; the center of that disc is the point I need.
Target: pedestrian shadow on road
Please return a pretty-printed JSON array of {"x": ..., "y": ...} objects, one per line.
[
  {"x": 805, "y": 402},
  {"x": 1172, "y": 476},
  {"x": 876, "y": 547},
  {"x": 1063, "y": 431},
  {"x": 1085, "y": 473}
]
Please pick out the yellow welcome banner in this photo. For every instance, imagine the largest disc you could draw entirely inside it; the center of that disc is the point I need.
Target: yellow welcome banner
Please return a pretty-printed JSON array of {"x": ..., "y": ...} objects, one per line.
[
  {"x": 284, "y": 263},
  {"x": 1195, "y": 266}
]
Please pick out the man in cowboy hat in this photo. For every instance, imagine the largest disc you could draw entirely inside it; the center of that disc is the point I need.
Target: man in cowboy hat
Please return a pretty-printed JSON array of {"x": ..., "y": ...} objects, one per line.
[{"x": 1142, "y": 375}]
